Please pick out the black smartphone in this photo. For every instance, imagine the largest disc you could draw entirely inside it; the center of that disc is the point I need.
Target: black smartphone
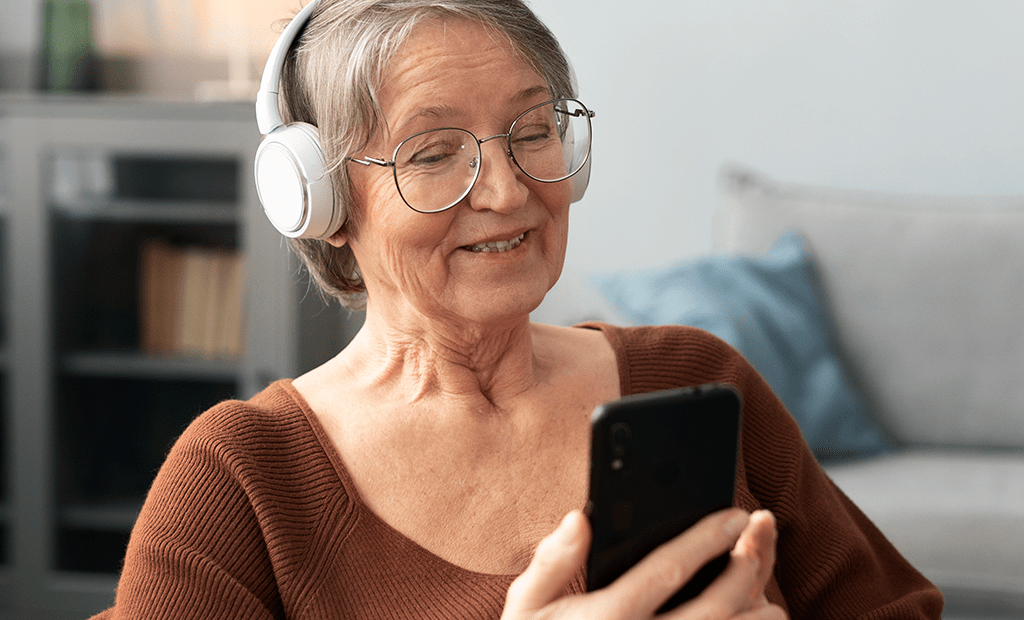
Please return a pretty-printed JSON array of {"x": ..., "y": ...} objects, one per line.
[{"x": 660, "y": 461}]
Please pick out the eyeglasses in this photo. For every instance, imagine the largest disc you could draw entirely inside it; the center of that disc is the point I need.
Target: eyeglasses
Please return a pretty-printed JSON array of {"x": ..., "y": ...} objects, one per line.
[{"x": 434, "y": 170}]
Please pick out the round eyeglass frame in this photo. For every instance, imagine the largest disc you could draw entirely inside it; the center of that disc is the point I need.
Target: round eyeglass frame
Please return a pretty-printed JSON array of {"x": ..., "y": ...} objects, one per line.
[{"x": 584, "y": 111}]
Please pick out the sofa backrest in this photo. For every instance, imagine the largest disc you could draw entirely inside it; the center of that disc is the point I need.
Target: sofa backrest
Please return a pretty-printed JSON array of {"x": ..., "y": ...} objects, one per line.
[{"x": 926, "y": 295}]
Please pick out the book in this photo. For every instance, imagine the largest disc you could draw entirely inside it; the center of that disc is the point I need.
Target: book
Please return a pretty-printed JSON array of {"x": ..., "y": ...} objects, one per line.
[
  {"x": 191, "y": 301},
  {"x": 159, "y": 297}
]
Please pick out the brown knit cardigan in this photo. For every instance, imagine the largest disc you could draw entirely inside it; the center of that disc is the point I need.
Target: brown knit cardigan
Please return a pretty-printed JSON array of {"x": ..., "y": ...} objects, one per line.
[{"x": 253, "y": 516}]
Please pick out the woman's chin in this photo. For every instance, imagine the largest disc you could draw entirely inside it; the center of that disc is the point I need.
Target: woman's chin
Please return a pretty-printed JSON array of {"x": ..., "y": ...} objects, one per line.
[{"x": 497, "y": 306}]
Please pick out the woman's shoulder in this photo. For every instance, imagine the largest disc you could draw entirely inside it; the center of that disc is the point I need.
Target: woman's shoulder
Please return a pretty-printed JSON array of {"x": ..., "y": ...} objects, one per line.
[
  {"x": 257, "y": 456},
  {"x": 268, "y": 441},
  {"x": 271, "y": 416},
  {"x": 248, "y": 481},
  {"x": 658, "y": 336},
  {"x": 651, "y": 355},
  {"x": 569, "y": 340}
]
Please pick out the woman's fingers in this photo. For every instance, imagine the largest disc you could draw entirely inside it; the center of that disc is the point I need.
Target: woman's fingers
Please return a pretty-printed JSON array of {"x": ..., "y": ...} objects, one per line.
[
  {"x": 556, "y": 561},
  {"x": 740, "y": 589},
  {"x": 737, "y": 593},
  {"x": 758, "y": 540},
  {"x": 728, "y": 595},
  {"x": 646, "y": 586}
]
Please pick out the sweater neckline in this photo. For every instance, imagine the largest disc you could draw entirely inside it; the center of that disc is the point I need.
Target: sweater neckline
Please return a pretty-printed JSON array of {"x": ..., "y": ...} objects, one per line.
[{"x": 362, "y": 511}]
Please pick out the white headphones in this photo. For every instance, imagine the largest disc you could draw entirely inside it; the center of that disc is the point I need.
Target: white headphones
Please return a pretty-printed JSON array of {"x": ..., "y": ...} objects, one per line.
[{"x": 291, "y": 172}]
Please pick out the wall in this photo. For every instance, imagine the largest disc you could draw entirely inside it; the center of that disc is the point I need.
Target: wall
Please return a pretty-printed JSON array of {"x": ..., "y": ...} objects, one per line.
[
  {"x": 19, "y": 21},
  {"x": 894, "y": 95}
]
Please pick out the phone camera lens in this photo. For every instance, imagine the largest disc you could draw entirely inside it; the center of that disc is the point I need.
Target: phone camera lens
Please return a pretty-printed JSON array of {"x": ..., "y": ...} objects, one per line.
[{"x": 620, "y": 435}]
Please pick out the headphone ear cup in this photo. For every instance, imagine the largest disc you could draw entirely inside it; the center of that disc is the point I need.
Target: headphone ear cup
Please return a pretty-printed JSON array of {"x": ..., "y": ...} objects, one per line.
[
  {"x": 581, "y": 179},
  {"x": 573, "y": 153},
  {"x": 294, "y": 185}
]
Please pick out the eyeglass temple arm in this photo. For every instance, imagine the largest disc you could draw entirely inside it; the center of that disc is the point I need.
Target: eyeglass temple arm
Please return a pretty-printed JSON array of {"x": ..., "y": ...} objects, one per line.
[
  {"x": 366, "y": 161},
  {"x": 589, "y": 113}
]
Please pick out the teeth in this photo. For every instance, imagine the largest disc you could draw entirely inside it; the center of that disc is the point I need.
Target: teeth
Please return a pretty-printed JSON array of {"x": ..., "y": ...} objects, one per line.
[{"x": 496, "y": 246}]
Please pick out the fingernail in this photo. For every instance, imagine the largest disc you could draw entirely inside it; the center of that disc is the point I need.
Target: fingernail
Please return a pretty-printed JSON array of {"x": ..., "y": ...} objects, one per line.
[
  {"x": 565, "y": 533},
  {"x": 736, "y": 523}
]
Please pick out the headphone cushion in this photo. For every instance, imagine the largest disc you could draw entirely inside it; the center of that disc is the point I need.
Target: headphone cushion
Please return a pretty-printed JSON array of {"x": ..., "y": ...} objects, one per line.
[
  {"x": 581, "y": 179},
  {"x": 293, "y": 185}
]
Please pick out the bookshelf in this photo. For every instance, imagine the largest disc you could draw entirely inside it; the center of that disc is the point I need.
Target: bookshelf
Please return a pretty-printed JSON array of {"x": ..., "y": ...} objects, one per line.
[{"x": 139, "y": 285}]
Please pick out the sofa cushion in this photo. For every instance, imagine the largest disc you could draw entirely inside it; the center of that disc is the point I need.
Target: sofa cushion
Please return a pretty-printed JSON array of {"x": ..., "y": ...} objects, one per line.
[
  {"x": 767, "y": 308},
  {"x": 926, "y": 294},
  {"x": 955, "y": 515}
]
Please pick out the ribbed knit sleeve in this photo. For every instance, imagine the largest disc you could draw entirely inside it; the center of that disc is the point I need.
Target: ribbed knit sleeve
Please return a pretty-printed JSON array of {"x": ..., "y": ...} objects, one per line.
[
  {"x": 832, "y": 561},
  {"x": 238, "y": 521}
]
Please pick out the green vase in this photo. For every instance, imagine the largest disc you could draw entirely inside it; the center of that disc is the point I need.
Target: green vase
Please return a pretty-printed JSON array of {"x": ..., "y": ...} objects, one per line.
[{"x": 69, "y": 61}]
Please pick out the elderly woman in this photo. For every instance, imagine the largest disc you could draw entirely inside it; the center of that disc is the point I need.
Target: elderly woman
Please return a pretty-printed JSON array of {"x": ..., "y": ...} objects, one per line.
[{"x": 437, "y": 467}]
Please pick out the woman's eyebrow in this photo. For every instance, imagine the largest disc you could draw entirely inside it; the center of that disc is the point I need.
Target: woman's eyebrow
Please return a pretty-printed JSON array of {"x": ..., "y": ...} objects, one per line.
[
  {"x": 444, "y": 111},
  {"x": 433, "y": 112},
  {"x": 530, "y": 93},
  {"x": 436, "y": 111}
]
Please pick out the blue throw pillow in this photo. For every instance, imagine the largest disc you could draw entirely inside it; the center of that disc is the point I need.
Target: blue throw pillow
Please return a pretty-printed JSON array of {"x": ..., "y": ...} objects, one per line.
[{"x": 768, "y": 309}]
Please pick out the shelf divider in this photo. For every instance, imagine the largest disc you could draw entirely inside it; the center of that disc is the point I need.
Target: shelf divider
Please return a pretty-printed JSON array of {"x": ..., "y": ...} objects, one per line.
[{"x": 137, "y": 365}]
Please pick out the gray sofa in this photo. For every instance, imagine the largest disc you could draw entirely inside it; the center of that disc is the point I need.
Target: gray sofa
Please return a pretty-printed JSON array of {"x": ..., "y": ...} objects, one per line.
[{"x": 925, "y": 297}]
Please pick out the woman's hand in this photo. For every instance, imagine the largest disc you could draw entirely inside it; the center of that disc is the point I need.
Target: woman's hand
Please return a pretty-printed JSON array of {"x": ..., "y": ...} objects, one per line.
[{"x": 738, "y": 593}]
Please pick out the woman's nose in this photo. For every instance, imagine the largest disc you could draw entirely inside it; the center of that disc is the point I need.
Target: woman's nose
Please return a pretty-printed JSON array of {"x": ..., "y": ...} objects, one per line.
[{"x": 499, "y": 186}]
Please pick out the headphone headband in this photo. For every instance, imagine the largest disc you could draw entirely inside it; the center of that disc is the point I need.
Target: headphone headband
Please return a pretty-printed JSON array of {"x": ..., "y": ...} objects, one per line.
[{"x": 268, "y": 114}]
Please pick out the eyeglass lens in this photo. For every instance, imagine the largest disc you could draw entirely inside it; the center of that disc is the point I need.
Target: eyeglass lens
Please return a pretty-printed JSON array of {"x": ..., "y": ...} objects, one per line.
[{"x": 436, "y": 169}]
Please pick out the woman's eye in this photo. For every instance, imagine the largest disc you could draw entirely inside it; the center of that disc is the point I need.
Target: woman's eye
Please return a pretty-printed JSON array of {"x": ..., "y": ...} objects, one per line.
[
  {"x": 432, "y": 153},
  {"x": 532, "y": 134},
  {"x": 428, "y": 157}
]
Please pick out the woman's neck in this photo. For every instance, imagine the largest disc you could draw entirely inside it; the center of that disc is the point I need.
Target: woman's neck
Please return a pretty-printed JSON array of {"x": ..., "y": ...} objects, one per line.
[{"x": 480, "y": 366}]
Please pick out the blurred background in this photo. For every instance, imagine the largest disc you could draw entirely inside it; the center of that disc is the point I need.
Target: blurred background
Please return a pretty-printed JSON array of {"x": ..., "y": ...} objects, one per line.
[
  {"x": 904, "y": 95},
  {"x": 149, "y": 47},
  {"x": 103, "y": 100}
]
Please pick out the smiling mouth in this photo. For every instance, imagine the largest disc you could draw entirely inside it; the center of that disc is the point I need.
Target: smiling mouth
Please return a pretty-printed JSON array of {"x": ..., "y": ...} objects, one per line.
[{"x": 496, "y": 246}]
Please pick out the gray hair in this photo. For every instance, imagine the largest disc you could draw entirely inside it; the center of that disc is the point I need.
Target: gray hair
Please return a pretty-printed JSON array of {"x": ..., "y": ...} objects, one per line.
[{"x": 331, "y": 77}]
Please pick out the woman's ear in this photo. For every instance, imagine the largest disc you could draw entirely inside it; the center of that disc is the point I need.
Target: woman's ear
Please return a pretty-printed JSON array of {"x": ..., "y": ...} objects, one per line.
[{"x": 338, "y": 239}]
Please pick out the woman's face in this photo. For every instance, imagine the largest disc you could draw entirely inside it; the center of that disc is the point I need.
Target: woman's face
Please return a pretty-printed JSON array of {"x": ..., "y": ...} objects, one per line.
[{"x": 457, "y": 73}]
